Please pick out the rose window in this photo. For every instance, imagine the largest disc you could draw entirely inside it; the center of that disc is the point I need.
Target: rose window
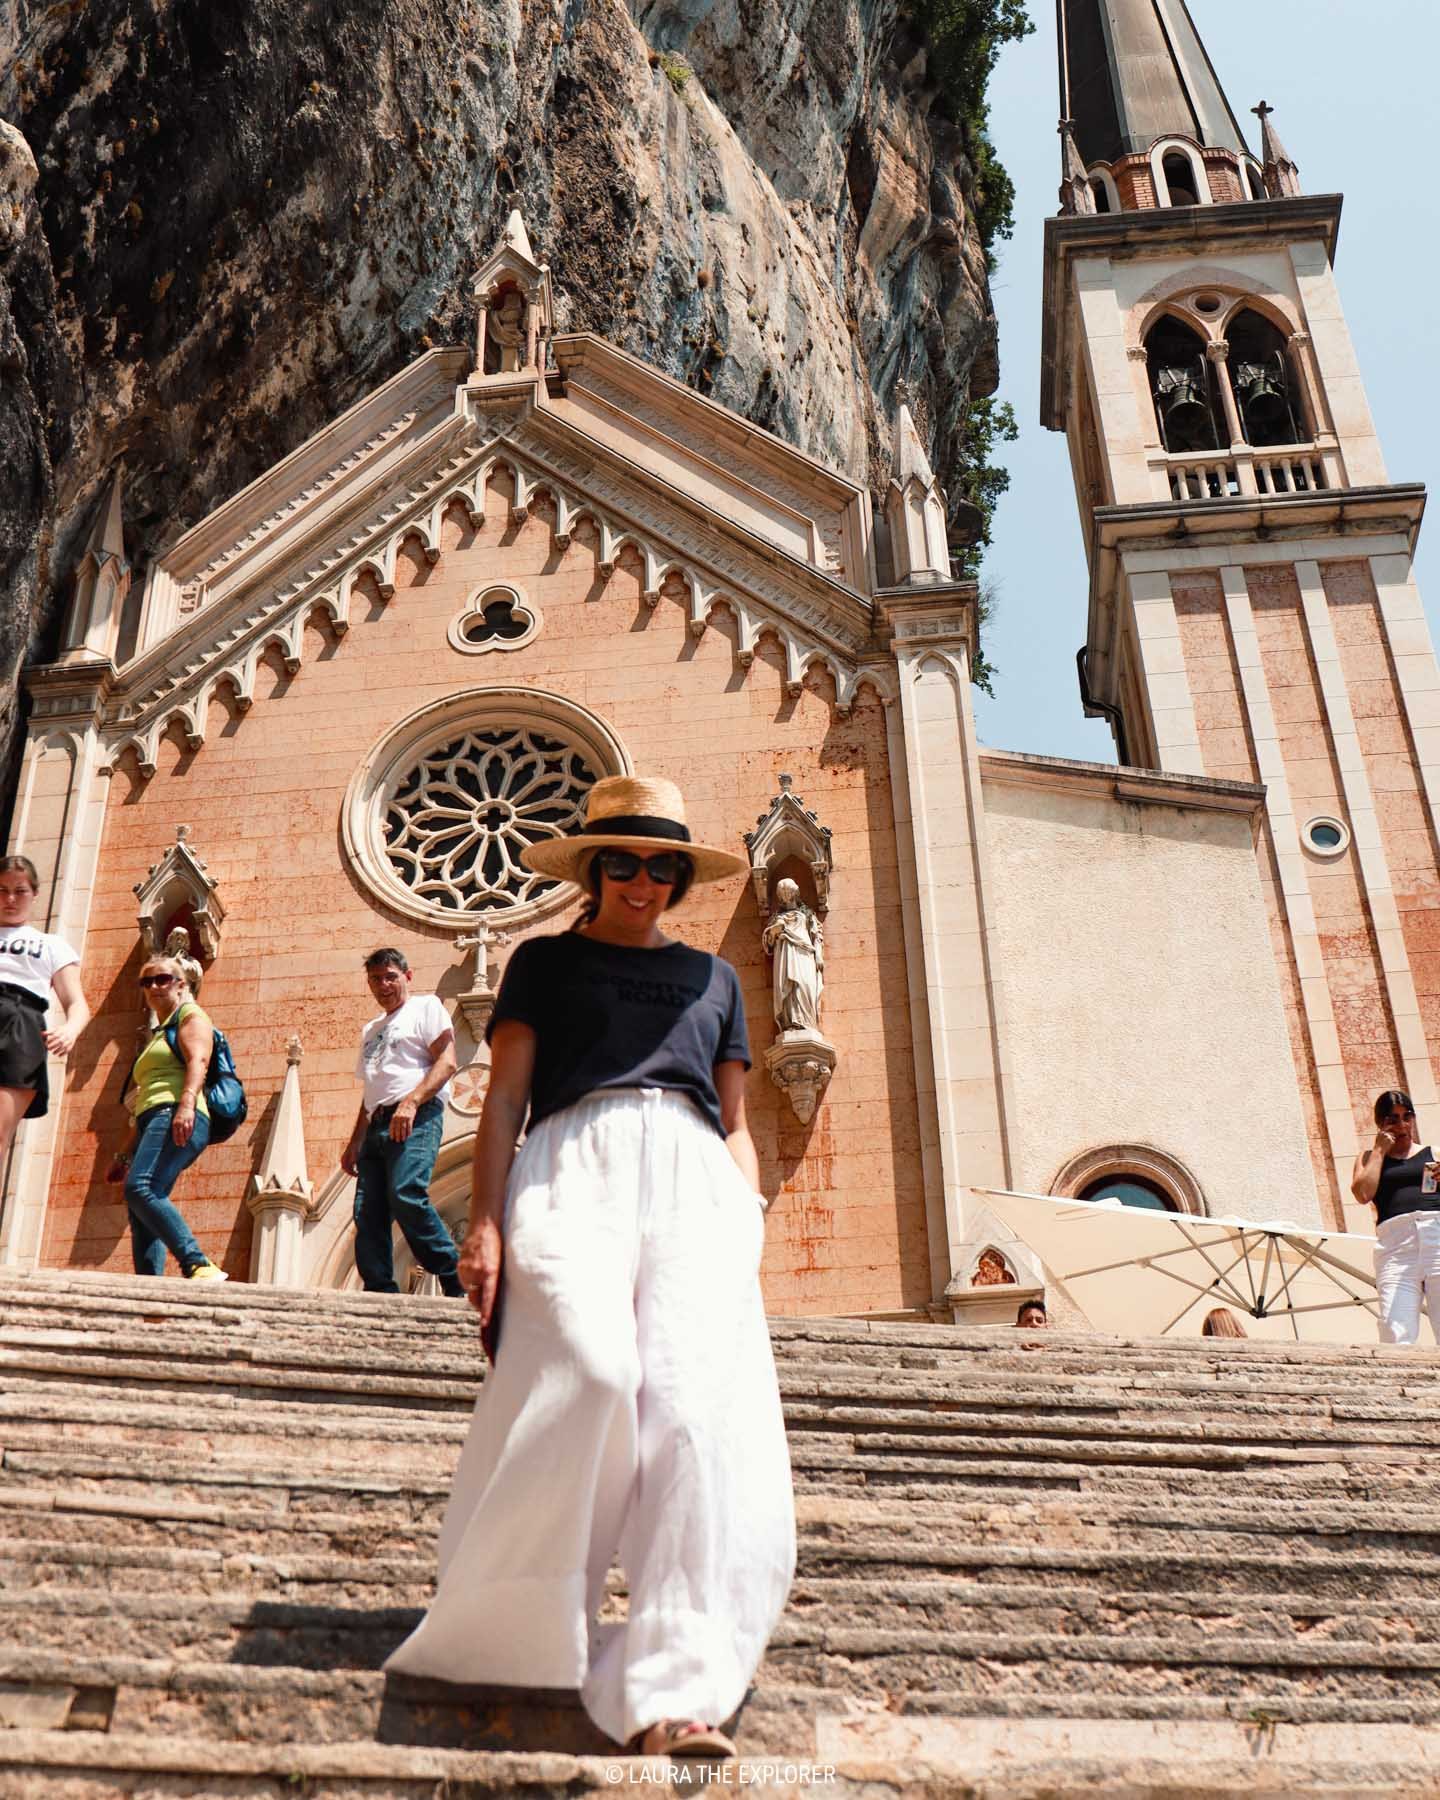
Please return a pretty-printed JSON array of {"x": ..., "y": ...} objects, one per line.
[{"x": 457, "y": 822}]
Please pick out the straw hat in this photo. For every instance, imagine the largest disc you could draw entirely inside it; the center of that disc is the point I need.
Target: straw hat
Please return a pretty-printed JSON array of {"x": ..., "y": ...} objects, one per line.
[{"x": 630, "y": 812}]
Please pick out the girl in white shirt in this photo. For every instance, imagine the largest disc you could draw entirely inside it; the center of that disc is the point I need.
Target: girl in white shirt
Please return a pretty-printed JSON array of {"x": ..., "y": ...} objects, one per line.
[{"x": 34, "y": 967}]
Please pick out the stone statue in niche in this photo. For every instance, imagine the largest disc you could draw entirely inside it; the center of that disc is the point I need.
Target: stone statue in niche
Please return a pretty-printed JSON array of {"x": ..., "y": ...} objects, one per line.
[
  {"x": 801, "y": 1061},
  {"x": 796, "y": 942},
  {"x": 507, "y": 327},
  {"x": 178, "y": 949}
]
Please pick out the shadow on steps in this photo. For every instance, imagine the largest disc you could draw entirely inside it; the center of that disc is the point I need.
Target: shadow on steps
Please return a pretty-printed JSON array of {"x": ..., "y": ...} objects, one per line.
[{"x": 438, "y": 1715}]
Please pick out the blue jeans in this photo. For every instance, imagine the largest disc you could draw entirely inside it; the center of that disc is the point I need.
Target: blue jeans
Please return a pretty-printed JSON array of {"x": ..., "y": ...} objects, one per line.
[
  {"x": 156, "y": 1164},
  {"x": 393, "y": 1188}
]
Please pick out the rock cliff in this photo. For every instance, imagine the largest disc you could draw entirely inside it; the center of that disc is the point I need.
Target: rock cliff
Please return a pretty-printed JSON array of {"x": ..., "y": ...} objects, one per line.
[{"x": 240, "y": 218}]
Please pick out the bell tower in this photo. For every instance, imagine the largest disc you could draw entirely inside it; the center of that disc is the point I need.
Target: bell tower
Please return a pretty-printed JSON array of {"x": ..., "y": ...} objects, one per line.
[{"x": 1252, "y": 608}]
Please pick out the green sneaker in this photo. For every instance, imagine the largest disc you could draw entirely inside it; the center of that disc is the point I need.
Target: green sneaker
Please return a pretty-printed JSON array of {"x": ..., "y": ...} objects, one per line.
[{"x": 206, "y": 1271}]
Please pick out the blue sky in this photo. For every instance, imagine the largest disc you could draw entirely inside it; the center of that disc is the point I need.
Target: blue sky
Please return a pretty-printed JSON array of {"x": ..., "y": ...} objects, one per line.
[{"x": 1351, "y": 83}]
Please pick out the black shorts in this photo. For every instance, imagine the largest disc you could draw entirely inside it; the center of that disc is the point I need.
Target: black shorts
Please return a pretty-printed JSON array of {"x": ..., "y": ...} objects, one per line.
[{"x": 22, "y": 1047}]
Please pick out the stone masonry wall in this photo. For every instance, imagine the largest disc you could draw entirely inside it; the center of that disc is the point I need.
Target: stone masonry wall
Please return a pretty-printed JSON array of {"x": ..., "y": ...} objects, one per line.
[
  {"x": 263, "y": 798},
  {"x": 1363, "y": 1020},
  {"x": 1230, "y": 756}
]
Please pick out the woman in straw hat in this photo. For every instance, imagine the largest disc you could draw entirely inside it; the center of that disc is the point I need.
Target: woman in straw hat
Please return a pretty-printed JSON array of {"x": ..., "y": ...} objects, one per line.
[{"x": 633, "y": 1403}]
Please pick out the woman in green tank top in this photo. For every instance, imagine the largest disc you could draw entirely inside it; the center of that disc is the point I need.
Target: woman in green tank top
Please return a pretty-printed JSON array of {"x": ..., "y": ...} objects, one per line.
[{"x": 172, "y": 1124}]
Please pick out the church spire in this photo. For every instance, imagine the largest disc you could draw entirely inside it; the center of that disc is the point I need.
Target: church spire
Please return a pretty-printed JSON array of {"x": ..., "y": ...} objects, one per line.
[
  {"x": 1280, "y": 171},
  {"x": 1133, "y": 72}
]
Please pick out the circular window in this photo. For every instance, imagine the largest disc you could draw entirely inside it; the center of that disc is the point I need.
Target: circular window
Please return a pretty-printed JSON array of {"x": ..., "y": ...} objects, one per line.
[
  {"x": 1207, "y": 303},
  {"x": 1129, "y": 1190},
  {"x": 1325, "y": 836},
  {"x": 439, "y": 816}
]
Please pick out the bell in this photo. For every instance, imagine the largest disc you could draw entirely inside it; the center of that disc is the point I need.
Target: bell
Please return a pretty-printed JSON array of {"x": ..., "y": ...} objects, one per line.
[
  {"x": 1184, "y": 414},
  {"x": 1260, "y": 388}
]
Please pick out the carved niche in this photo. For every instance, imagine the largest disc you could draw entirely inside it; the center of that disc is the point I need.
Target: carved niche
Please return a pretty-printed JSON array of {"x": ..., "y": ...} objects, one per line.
[
  {"x": 789, "y": 829},
  {"x": 802, "y": 1059},
  {"x": 180, "y": 879}
]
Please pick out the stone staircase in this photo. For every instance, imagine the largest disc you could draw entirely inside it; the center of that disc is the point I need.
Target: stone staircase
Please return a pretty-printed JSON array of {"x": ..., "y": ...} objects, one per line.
[{"x": 1030, "y": 1565}]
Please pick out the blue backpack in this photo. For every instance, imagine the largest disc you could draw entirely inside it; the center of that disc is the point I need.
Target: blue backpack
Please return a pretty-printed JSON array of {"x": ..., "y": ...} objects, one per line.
[{"x": 224, "y": 1092}]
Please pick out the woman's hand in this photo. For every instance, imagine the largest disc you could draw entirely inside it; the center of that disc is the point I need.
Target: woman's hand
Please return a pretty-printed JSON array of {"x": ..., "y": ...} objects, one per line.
[
  {"x": 61, "y": 1040},
  {"x": 479, "y": 1269},
  {"x": 1384, "y": 1141},
  {"x": 184, "y": 1123}
]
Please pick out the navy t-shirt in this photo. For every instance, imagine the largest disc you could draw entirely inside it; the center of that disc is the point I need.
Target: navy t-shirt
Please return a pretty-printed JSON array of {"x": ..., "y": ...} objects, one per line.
[{"x": 609, "y": 1016}]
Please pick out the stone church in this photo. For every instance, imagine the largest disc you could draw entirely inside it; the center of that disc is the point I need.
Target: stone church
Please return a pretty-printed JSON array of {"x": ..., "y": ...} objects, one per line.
[{"x": 333, "y": 712}]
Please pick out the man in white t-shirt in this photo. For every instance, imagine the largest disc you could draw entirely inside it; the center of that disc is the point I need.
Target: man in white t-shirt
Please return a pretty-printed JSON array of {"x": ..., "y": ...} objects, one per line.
[{"x": 407, "y": 1056}]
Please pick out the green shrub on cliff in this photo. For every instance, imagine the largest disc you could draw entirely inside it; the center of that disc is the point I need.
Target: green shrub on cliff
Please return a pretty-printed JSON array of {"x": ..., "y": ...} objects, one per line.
[{"x": 966, "y": 37}]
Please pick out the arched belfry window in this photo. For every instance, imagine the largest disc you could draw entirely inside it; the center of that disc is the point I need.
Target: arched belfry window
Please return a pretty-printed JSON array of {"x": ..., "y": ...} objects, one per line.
[
  {"x": 1180, "y": 180},
  {"x": 1183, "y": 389},
  {"x": 1102, "y": 186},
  {"x": 1179, "y": 175},
  {"x": 1267, "y": 391}
]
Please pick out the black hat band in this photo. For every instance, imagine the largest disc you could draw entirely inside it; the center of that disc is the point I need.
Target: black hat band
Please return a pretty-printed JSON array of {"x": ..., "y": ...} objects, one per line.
[{"x": 637, "y": 825}]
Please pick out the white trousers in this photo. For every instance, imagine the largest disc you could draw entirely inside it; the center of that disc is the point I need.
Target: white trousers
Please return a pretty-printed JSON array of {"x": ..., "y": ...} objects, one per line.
[
  {"x": 633, "y": 1406},
  {"x": 1407, "y": 1267}
]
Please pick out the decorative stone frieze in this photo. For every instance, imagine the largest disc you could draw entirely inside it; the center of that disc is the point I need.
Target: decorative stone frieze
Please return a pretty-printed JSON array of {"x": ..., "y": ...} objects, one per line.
[
  {"x": 180, "y": 878},
  {"x": 191, "y": 672}
]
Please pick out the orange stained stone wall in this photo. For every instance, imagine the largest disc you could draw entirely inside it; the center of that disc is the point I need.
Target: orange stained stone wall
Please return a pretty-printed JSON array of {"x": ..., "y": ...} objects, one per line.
[
  {"x": 1347, "y": 940},
  {"x": 1225, "y": 746},
  {"x": 263, "y": 798},
  {"x": 1400, "y": 807}
]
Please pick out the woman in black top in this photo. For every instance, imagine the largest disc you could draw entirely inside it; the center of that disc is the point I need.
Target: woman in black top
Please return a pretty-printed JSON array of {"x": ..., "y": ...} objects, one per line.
[
  {"x": 1398, "y": 1177},
  {"x": 632, "y": 1403}
]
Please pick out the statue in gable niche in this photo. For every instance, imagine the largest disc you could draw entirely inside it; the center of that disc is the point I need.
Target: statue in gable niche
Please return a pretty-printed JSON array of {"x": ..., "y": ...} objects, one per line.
[
  {"x": 507, "y": 327},
  {"x": 796, "y": 941},
  {"x": 177, "y": 948}
]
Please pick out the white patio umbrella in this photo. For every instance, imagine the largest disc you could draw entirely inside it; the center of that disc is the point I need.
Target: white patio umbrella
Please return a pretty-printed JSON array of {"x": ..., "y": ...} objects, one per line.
[{"x": 1157, "y": 1274}]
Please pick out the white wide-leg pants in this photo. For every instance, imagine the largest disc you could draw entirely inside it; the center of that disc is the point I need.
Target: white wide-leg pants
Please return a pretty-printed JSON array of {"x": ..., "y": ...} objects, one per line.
[
  {"x": 1407, "y": 1268},
  {"x": 633, "y": 1406}
]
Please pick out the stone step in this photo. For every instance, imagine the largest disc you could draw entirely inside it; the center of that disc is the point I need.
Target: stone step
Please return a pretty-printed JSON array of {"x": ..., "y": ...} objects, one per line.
[
  {"x": 803, "y": 1680},
  {"x": 322, "y": 1522},
  {"x": 391, "y": 1486},
  {"x": 129, "y": 1413},
  {"x": 359, "y": 1626},
  {"x": 1037, "y": 1561},
  {"x": 213, "y": 1317},
  {"x": 1310, "y": 1586},
  {"x": 918, "y": 1346}
]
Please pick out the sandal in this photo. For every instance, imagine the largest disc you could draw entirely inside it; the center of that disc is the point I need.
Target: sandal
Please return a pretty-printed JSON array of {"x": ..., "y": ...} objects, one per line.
[{"x": 684, "y": 1738}]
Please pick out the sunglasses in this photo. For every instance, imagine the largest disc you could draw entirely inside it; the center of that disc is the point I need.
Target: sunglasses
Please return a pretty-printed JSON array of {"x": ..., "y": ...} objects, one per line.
[
  {"x": 665, "y": 868},
  {"x": 149, "y": 981}
]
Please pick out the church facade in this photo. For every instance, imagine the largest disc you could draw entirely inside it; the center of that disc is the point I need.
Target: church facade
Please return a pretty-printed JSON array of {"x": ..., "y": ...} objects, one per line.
[{"x": 333, "y": 712}]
